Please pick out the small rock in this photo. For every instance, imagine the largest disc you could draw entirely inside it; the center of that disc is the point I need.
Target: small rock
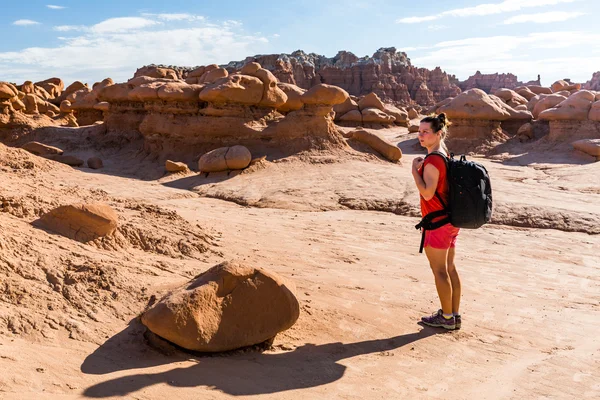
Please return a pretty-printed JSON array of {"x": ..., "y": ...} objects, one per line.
[
  {"x": 174, "y": 166},
  {"x": 95, "y": 163}
]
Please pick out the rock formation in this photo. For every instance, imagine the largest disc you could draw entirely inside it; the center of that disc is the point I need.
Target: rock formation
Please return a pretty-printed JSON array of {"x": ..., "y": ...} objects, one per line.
[
  {"x": 388, "y": 73},
  {"x": 490, "y": 83},
  {"x": 229, "y": 306},
  {"x": 478, "y": 118},
  {"x": 182, "y": 120}
]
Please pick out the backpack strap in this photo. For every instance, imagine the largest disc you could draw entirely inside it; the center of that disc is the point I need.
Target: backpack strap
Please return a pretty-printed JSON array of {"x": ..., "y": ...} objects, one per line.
[
  {"x": 445, "y": 158},
  {"x": 427, "y": 224}
]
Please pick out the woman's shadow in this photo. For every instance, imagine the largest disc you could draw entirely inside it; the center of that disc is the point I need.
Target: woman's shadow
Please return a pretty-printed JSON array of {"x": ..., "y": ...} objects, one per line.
[{"x": 238, "y": 374}]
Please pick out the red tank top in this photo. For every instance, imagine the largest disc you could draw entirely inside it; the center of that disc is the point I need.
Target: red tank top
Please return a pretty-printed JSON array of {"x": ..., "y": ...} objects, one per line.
[{"x": 442, "y": 189}]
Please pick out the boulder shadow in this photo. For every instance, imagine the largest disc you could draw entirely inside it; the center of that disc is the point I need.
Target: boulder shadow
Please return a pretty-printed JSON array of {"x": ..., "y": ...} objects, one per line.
[{"x": 236, "y": 373}]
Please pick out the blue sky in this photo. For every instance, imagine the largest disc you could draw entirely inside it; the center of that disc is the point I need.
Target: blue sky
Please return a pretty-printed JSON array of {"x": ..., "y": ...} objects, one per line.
[{"x": 89, "y": 41}]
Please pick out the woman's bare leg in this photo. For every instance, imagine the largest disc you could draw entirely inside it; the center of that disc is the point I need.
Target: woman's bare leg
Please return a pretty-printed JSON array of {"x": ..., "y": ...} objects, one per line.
[
  {"x": 438, "y": 259},
  {"x": 454, "y": 280}
]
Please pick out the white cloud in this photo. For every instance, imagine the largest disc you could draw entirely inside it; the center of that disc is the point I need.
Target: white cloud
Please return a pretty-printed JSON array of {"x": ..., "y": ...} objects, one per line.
[
  {"x": 485, "y": 9},
  {"x": 543, "y": 18},
  {"x": 25, "y": 22},
  {"x": 117, "y": 47},
  {"x": 67, "y": 28},
  {"x": 53, "y": 7},
  {"x": 437, "y": 27},
  {"x": 122, "y": 24},
  {"x": 176, "y": 17},
  {"x": 525, "y": 56}
]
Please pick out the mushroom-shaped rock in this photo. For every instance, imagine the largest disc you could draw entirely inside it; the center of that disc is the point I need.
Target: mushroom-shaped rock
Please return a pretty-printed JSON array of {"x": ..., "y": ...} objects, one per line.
[
  {"x": 371, "y": 101},
  {"x": 589, "y": 146},
  {"x": 225, "y": 158},
  {"x": 559, "y": 85},
  {"x": 95, "y": 163},
  {"x": 40, "y": 149},
  {"x": 31, "y": 104},
  {"x": 323, "y": 94},
  {"x": 549, "y": 101},
  {"x": 230, "y": 306},
  {"x": 174, "y": 166},
  {"x": 475, "y": 104},
  {"x": 243, "y": 89},
  {"x": 375, "y": 115},
  {"x": 81, "y": 222},
  {"x": 382, "y": 146},
  {"x": 294, "y": 97},
  {"x": 413, "y": 128},
  {"x": 576, "y": 107}
]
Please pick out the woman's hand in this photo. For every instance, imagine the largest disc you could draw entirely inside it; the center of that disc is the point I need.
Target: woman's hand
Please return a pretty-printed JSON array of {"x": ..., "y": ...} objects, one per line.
[{"x": 417, "y": 163}]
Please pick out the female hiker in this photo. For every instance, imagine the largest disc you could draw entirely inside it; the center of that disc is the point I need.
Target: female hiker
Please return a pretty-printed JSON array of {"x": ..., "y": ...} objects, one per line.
[{"x": 439, "y": 244}]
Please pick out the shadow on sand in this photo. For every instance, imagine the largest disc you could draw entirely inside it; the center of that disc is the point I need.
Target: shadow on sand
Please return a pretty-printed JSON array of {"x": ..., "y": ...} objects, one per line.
[{"x": 237, "y": 374}]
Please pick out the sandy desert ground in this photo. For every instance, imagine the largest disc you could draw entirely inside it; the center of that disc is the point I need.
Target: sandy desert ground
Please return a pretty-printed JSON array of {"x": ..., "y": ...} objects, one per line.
[{"x": 341, "y": 226}]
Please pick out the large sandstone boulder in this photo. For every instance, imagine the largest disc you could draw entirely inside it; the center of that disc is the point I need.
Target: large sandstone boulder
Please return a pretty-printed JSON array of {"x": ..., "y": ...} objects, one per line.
[
  {"x": 526, "y": 93},
  {"x": 400, "y": 115},
  {"x": 7, "y": 91},
  {"x": 352, "y": 116},
  {"x": 294, "y": 97},
  {"x": 225, "y": 158},
  {"x": 243, "y": 89},
  {"x": 549, "y": 101},
  {"x": 539, "y": 89},
  {"x": 510, "y": 97},
  {"x": 377, "y": 143},
  {"x": 576, "y": 107},
  {"x": 589, "y": 146},
  {"x": 323, "y": 94},
  {"x": 40, "y": 149},
  {"x": 374, "y": 115},
  {"x": 212, "y": 75},
  {"x": 371, "y": 101},
  {"x": 230, "y": 306},
  {"x": 475, "y": 104},
  {"x": 81, "y": 222},
  {"x": 564, "y": 85},
  {"x": 345, "y": 107}
]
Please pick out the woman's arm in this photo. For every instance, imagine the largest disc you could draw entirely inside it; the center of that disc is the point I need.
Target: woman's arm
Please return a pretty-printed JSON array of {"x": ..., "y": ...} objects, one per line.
[{"x": 428, "y": 184}]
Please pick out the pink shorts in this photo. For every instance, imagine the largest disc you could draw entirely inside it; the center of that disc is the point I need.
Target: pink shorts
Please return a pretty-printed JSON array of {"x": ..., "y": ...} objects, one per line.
[{"x": 442, "y": 238}]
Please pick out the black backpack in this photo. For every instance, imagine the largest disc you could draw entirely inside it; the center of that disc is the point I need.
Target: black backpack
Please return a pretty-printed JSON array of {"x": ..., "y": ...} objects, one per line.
[{"x": 469, "y": 201}]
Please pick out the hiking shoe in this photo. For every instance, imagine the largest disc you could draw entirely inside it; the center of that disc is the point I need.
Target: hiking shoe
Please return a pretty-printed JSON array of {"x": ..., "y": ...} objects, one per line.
[
  {"x": 437, "y": 320},
  {"x": 457, "y": 320}
]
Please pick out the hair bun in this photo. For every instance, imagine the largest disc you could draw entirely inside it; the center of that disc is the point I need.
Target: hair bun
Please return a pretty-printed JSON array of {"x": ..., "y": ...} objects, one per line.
[{"x": 442, "y": 118}]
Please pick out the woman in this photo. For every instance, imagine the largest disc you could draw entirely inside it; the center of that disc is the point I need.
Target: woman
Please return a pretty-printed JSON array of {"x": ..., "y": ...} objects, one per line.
[{"x": 430, "y": 177}]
